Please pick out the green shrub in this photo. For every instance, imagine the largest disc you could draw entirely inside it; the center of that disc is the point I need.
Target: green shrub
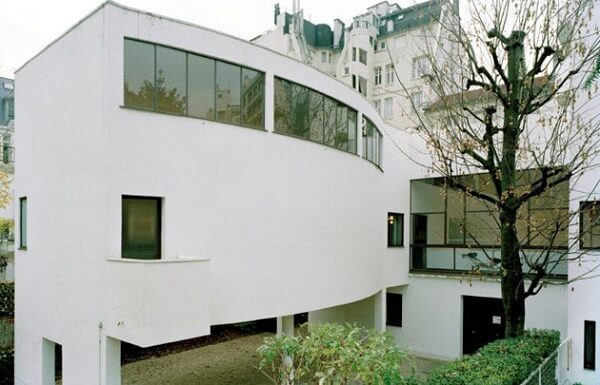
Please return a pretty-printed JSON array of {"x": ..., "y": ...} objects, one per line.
[
  {"x": 333, "y": 354},
  {"x": 7, "y": 299},
  {"x": 502, "y": 362}
]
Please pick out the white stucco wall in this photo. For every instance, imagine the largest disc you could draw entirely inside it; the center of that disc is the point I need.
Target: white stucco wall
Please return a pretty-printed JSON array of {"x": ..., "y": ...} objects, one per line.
[{"x": 432, "y": 312}]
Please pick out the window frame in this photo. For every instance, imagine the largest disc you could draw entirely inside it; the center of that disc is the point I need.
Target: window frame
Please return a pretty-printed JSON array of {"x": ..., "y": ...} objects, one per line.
[
  {"x": 23, "y": 223},
  {"x": 392, "y": 217},
  {"x": 159, "y": 233},
  {"x": 388, "y": 108},
  {"x": 389, "y": 74},
  {"x": 419, "y": 69}
]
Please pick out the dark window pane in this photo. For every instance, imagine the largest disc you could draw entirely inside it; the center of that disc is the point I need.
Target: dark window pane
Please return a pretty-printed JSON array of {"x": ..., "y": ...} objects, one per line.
[
  {"x": 352, "y": 127},
  {"x": 315, "y": 116},
  {"x": 292, "y": 108},
  {"x": 170, "y": 80},
  {"x": 141, "y": 227},
  {"x": 589, "y": 345},
  {"x": 329, "y": 121},
  {"x": 23, "y": 223},
  {"x": 253, "y": 96},
  {"x": 139, "y": 74},
  {"x": 201, "y": 87},
  {"x": 228, "y": 93},
  {"x": 395, "y": 230},
  {"x": 394, "y": 309},
  {"x": 589, "y": 226},
  {"x": 371, "y": 142}
]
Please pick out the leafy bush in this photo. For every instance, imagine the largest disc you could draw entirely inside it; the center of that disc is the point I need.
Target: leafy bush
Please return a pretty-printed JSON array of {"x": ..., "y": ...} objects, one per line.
[
  {"x": 7, "y": 299},
  {"x": 502, "y": 362},
  {"x": 333, "y": 354}
]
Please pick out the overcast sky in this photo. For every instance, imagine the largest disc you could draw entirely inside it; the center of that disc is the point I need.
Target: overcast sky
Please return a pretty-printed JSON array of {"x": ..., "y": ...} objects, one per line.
[{"x": 27, "y": 26}]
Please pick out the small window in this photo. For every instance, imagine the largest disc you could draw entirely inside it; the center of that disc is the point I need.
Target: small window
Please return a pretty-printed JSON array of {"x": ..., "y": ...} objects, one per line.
[
  {"x": 394, "y": 309},
  {"x": 346, "y": 70},
  {"x": 589, "y": 345},
  {"x": 389, "y": 74},
  {"x": 23, "y": 223},
  {"x": 589, "y": 225},
  {"x": 324, "y": 57},
  {"x": 416, "y": 100},
  {"x": 141, "y": 227},
  {"x": 353, "y": 53},
  {"x": 377, "y": 76},
  {"x": 362, "y": 56},
  {"x": 395, "y": 230},
  {"x": 377, "y": 105},
  {"x": 420, "y": 67},
  {"x": 388, "y": 108}
]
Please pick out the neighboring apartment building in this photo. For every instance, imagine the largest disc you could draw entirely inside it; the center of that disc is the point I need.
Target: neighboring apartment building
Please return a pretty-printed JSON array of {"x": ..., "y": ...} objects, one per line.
[
  {"x": 381, "y": 54},
  {"x": 7, "y": 158},
  {"x": 205, "y": 180}
]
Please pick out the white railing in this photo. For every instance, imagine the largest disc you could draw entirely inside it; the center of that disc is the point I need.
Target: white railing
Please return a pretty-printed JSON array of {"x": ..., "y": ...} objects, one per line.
[{"x": 554, "y": 369}]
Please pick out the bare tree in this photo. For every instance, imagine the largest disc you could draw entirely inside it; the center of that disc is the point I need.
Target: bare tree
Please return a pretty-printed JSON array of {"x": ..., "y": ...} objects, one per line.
[{"x": 506, "y": 84}]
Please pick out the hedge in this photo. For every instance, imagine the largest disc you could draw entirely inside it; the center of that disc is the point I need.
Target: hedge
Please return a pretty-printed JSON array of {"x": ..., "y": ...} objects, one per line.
[
  {"x": 502, "y": 362},
  {"x": 7, "y": 299}
]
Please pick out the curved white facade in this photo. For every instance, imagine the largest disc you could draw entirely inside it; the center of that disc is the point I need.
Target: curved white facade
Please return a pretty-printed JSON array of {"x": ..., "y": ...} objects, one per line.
[{"x": 255, "y": 223}]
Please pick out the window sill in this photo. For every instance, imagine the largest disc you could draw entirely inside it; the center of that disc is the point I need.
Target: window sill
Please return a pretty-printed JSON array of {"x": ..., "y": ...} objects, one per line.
[
  {"x": 395, "y": 247},
  {"x": 22, "y": 249}
]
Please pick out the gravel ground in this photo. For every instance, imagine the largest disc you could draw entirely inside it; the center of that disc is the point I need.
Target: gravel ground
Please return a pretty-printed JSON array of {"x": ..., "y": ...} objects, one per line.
[{"x": 227, "y": 363}]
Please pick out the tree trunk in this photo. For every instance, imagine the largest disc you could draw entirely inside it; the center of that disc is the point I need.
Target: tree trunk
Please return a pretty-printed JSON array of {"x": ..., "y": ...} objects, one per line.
[{"x": 513, "y": 292}]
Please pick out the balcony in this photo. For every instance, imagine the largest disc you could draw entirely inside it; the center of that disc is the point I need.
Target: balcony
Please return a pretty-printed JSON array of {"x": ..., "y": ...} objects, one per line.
[{"x": 151, "y": 302}]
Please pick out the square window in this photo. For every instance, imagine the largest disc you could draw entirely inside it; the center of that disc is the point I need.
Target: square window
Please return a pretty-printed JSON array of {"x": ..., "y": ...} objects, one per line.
[
  {"x": 395, "y": 230},
  {"x": 589, "y": 225},
  {"x": 141, "y": 227},
  {"x": 23, "y": 223},
  {"x": 394, "y": 309}
]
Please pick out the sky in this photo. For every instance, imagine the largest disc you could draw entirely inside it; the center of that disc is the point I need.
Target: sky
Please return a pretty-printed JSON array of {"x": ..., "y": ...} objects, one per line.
[{"x": 27, "y": 26}]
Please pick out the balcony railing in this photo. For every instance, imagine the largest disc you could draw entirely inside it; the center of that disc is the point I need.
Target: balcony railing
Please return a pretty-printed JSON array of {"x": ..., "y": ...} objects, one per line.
[{"x": 486, "y": 260}]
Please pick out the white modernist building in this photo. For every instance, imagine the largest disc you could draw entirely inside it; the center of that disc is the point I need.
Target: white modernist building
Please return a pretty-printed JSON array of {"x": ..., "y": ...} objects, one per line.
[{"x": 177, "y": 178}]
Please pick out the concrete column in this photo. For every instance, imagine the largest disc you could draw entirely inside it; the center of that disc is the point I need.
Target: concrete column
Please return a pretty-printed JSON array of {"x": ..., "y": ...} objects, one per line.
[
  {"x": 48, "y": 359},
  {"x": 285, "y": 325},
  {"x": 112, "y": 361},
  {"x": 379, "y": 311}
]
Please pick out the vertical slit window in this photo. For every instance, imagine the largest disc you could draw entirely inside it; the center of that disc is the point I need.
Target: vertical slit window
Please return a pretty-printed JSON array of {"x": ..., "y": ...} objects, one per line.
[
  {"x": 23, "y": 223},
  {"x": 395, "y": 230},
  {"x": 589, "y": 345}
]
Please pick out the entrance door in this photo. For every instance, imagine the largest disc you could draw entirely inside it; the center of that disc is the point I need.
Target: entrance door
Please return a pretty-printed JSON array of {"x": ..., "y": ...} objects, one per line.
[{"x": 483, "y": 322}]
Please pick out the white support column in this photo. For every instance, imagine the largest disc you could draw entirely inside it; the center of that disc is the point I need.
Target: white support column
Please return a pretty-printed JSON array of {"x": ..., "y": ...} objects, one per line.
[
  {"x": 48, "y": 359},
  {"x": 112, "y": 361},
  {"x": 379, "y": 310},
  {"x": 285, "y": 325}
]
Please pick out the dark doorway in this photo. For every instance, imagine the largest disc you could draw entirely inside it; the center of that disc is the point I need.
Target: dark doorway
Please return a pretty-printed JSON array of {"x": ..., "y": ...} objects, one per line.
[{"x": 483, "y": 322}]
